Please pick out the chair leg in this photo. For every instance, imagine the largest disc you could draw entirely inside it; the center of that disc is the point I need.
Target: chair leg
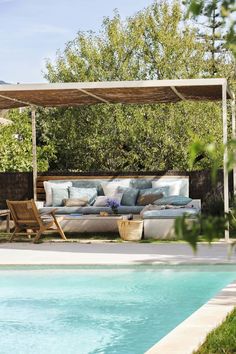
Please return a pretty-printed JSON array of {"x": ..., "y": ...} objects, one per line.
[
  {"x": 17, "y": 229},
  {"x": 38, "y": 234},
  {"x": 59, "y": 228}
]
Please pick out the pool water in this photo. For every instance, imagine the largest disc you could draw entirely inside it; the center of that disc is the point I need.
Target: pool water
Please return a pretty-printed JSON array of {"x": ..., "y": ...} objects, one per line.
[{"x": 100, "y": 310}]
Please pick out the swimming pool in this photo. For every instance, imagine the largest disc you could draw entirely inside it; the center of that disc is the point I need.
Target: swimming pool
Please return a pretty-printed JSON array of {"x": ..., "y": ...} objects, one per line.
[{"x": 83, "y": 310}]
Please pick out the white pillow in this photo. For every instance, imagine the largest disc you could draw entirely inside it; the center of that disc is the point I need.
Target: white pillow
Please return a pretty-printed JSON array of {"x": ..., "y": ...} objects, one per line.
[
  {"x": 48, "y": 189},
  {"x": 111, "y": 189},
  {"x": 101, "y": 201},
  {"x": 176, "y": 186}
]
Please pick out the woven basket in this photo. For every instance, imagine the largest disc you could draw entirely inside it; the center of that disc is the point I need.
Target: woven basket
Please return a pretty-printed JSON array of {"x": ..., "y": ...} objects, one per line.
[{"x": 130, "y": 230}]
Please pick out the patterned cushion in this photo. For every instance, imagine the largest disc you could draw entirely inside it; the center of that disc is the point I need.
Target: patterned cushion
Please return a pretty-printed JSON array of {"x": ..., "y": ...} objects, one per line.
[
  {"x": 150, "y": 195},
  {"x": 130, "y": 196},
  {"x": 90, "y": 193},
  {"x": 173, "y": 200},
  {"x": 58, "y": 194}
]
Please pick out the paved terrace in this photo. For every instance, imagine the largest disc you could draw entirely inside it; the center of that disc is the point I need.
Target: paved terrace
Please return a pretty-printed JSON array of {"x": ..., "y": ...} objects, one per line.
[{"x": 61, "y": 253}]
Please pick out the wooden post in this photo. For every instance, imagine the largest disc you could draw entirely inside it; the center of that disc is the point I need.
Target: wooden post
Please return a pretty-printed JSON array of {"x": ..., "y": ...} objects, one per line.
[
  {"x": 34, "y": 151},
  {"x": 225, "y": 139}
]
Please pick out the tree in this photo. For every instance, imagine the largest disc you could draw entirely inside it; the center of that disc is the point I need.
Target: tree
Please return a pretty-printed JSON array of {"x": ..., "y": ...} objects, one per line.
[
  {"x": 156, "y": 43},
  {"x": 223, "y": 10},
  {"x": 16, "y": 145}
]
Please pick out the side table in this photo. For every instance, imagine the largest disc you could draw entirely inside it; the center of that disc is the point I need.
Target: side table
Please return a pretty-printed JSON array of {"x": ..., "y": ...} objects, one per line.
[{"x": 6, "y": 213}]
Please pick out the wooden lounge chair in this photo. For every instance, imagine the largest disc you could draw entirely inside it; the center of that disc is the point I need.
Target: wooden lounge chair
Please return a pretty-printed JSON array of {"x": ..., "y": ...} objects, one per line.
[{"x": 28, "y": 219}]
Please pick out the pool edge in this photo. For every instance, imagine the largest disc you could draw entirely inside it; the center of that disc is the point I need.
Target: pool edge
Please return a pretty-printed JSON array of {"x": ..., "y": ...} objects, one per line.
[{"x": 191, "y": 333}]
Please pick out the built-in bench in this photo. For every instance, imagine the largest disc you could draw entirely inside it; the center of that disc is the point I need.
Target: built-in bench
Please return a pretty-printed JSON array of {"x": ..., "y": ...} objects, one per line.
[{"x": 157, "y": 224}]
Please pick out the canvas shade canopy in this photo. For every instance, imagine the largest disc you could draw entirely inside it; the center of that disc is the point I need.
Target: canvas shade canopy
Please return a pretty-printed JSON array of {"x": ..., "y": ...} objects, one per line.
[{"x": 124, "y": 92}]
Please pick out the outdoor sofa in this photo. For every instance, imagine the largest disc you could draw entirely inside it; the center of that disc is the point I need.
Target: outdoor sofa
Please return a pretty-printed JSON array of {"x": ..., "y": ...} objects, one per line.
[{"x": 138, "y": 199}]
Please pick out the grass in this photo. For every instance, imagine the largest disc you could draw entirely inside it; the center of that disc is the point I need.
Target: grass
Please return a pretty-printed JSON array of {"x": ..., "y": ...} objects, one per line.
[{"x": 222, "y": 340}]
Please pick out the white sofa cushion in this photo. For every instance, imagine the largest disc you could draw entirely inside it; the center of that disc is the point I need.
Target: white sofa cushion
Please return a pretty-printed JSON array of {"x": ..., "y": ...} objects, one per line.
[
  {"x": 177, "y": 186},
  {"x": 48, "y": 189}
]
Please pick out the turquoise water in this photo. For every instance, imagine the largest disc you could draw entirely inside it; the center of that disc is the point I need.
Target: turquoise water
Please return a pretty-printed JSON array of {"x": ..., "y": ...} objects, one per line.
[{"x": 100, "y": 310}]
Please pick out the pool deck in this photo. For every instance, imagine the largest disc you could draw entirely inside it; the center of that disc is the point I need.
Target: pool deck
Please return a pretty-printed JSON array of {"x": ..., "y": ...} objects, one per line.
[{"x": 69, "y": 253}]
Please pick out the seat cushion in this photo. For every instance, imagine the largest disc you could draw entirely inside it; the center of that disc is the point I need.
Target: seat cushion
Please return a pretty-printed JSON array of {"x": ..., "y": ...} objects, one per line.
[
  {"x": 169, "y": 213},
  {"x": 173, "y": 200},
  {"x": 92, "y": 210}
]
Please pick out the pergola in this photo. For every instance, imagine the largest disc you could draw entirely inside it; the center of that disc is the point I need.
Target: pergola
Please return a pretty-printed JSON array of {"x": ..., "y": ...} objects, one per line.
[{"x": 124, "y": 92}]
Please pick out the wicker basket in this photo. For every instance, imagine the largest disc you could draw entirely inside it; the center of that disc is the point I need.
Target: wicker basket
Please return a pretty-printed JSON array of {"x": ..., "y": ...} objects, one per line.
[{"x": 130, "y": 230}]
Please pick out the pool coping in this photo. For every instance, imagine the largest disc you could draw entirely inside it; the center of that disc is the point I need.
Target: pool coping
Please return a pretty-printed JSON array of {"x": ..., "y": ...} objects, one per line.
[{"x": 191, "y": 333}]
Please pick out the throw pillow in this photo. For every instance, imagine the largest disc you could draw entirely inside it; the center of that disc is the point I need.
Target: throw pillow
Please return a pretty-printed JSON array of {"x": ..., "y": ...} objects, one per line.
[
  {"x": 112, "y": 188},
  {"x": 76, "y": 193},
  {"x": 130, "y": 196},
  {"x": 177, "y": 200},
  {"x": 150, "y": 195},
  {"x": 141, "y": 183},
  {"x": 173, "y": 185},
  {"x": 101, "y": 201},
  {"x": 58, "y": 194},
  {"x": 83, "y": 201},
  {"x": 48, "y": 189}
]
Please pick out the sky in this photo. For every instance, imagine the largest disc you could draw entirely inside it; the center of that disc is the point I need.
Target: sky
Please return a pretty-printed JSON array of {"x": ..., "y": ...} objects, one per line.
[{"x": 33, "y": 30}]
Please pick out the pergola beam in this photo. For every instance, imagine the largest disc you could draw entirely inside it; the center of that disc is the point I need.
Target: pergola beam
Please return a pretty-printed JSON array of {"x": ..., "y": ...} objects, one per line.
[
  {"x": 94, "y": 96},
  {"x": 174, "y": 89},
  {"x": 24, "y": 103}
]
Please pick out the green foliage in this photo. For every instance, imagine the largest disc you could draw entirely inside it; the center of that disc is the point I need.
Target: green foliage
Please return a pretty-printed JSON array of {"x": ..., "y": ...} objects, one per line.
[
  {"x": 16, "y": 145},
  {"x": 210, "y": 227},
  {"x": 226, "y": 16},
  {"x": 222, "y": 339},
  {"x": 156, "y": 43}
]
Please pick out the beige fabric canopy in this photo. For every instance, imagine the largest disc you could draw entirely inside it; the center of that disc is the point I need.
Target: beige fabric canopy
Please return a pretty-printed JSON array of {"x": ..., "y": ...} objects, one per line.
[{"x": 126, "y": 92}]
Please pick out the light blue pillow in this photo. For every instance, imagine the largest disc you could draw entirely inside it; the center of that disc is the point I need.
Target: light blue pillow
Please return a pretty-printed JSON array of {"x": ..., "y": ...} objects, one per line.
[
  {"x": 130, "y": 196},
  {"x": 90, "y": 193},
  {"x": 141, "y": 183},
  {"x": 58, "y": 194},
  {"x": 178, "y": 200}
]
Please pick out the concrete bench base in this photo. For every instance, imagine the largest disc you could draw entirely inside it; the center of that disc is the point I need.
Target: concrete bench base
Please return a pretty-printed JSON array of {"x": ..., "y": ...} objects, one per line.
[{"x": 160, "y": 229}]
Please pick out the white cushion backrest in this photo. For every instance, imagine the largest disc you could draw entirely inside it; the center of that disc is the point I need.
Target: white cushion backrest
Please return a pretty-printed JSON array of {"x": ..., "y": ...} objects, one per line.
[
  {"x": 113, "y": 187},
  {"x": 177, "y": 186},
  {"x": 48, "y": 189}
]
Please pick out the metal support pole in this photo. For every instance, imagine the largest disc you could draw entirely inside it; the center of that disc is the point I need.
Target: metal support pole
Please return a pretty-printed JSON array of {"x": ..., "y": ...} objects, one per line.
[
  {"x": 225, "y": 139},
  {"x": 233, "y": 137},
  {"x": 34, "y": 151}
]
